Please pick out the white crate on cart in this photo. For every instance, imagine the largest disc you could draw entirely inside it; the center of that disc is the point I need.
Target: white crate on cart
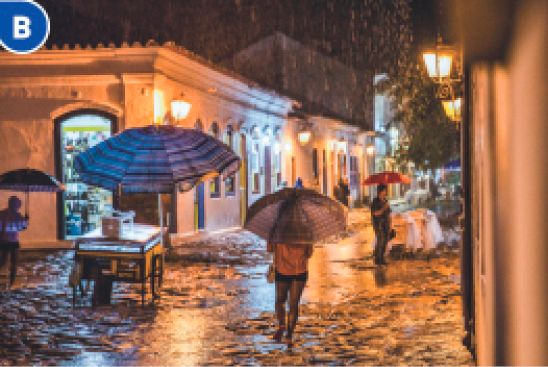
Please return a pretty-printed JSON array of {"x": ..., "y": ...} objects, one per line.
[{"x": 112, "y": 223}]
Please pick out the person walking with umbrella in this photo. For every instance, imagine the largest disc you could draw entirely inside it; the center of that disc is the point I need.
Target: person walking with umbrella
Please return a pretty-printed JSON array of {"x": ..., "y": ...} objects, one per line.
[
  {"x": 291, "y": 221},
  {"x": 380, "y": 215},
  {"x": 291, "y": 276},
  {"x": 11, "y": 223}
]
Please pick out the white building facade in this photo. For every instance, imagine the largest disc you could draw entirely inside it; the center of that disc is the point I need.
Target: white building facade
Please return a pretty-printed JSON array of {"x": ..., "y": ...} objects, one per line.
[{"x": 55, "y": 103}]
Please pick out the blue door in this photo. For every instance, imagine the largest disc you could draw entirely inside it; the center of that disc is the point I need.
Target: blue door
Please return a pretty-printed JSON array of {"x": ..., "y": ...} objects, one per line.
[{"x": 201, "y": 206}]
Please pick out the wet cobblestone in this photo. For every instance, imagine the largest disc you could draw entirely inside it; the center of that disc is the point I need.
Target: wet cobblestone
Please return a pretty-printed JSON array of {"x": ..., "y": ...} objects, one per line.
[{"x": 218, "y": 310}]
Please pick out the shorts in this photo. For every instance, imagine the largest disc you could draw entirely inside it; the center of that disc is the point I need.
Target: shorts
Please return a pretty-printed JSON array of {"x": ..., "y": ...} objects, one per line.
[
  {"x": 5, "y": 246},
  {"x": 303, "y": 277}
]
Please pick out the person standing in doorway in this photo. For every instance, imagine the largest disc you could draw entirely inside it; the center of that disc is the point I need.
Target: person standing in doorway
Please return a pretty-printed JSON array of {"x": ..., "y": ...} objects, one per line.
[
  {"x": 11, "y": 223},
  {"x": 291, "y": 263},
  {"x": 380, "y": 215}
]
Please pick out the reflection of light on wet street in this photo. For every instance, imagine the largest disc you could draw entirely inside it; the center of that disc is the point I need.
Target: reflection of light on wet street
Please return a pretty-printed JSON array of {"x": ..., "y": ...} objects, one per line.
[{"x": 223, "y": 313}]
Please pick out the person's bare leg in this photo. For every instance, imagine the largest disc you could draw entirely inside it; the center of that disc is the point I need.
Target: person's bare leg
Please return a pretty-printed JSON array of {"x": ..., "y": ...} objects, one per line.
[
  {"x": 295, "y": 294},
  {"x": 282, "y": 289}
]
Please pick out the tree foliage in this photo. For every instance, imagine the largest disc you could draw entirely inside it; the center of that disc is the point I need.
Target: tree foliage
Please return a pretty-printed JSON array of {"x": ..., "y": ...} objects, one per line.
[{"x": 433, "y": 139}]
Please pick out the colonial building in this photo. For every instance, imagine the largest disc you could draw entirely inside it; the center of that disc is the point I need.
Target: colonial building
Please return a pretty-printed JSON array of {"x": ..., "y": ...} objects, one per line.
[{"x": 56, "y": 103}]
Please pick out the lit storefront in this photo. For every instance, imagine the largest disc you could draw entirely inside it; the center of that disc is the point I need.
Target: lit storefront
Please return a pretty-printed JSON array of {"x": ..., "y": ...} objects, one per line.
[{"x": 82, "y": 205}]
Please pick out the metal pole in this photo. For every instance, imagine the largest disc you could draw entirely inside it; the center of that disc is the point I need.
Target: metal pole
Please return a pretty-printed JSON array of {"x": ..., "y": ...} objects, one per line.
[
  {"x": 160, "y": 214},
  {"x": 467, "y": 269}
]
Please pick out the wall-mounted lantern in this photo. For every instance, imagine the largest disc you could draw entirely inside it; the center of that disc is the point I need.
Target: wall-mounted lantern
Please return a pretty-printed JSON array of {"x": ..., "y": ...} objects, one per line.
[
  {"x": 304, "y": 137},
  {"x": 370, "y": 150},
  {"x": 180, "y": 109},
  {"x": 342, "y": 145},
  {"x": 438, "y": 60},
  {"x": 305, "y": 133},
  {"x": 453, "y": 109}
]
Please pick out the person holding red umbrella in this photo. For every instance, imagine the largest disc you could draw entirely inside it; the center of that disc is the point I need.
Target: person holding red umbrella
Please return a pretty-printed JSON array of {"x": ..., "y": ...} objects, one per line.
[{"x": 380, "y": 215}]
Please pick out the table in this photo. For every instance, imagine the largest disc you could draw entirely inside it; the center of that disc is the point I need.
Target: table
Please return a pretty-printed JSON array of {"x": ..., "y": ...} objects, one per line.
[
  {"x": 416, "y": 230},
  {"x": 134, "y": 258}
]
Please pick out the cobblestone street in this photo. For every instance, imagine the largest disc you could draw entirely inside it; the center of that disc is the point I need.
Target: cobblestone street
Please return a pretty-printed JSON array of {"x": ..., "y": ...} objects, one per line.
[{"x": 218, "y": 310}]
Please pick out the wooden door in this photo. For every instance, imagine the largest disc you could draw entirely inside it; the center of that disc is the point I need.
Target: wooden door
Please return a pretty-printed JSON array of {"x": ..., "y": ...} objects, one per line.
[{"x": 267, "y": 171}]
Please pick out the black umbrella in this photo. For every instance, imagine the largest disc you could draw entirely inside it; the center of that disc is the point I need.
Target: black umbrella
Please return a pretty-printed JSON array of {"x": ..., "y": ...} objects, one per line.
[
  {"x": 296, "y": 216},
  {"x": 27, "y": 180}
]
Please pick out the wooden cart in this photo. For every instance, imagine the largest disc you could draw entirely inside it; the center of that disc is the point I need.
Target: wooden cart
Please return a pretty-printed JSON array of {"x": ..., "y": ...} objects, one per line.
[{"x": 134, "y": 258}]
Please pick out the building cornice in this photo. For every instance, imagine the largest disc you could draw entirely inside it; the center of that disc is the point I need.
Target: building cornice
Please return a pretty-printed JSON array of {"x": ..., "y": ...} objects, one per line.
[
  {"x": 28, "y": 81},
  {"x": 171, "y": 62}
]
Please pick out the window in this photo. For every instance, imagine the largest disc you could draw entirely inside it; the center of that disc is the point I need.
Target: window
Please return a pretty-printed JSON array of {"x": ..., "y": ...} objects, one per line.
[
  {"x": 215, "y": 184},
  {"x": 229, "y": 137},
  {"x": 255, "y": 169},
  {"x": 230, "y": 187},
  {"x": 198, "y": 125},
  {"x": 214, "y": 187},
  {"x": 214, "y": 130}
]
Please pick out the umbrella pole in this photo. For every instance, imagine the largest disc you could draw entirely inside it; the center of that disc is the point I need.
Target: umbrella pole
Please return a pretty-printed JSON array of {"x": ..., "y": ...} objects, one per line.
[{"x": 160, "y": 214}]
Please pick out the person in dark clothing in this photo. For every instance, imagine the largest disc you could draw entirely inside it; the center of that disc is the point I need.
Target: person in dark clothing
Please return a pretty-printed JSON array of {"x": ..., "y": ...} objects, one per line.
[
  {"x": 380, "y": 215},
  {"x": 344, "y": 191},
  {"x": 11, "y": 222}
]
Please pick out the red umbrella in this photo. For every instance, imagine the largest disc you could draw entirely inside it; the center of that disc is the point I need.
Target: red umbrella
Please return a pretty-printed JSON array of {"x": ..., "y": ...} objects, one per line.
[{"x": 386, "y": 178}]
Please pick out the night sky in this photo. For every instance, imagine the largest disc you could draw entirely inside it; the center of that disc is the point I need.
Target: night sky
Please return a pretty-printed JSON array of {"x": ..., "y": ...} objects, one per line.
[{"x": 367, "y": 34}]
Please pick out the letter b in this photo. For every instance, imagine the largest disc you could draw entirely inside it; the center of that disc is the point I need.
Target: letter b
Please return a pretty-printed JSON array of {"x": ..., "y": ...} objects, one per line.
[{"x": 21, "y": 27}]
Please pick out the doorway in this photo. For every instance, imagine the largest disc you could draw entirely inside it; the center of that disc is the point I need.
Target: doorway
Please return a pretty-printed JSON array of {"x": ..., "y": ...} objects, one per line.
[
  {"x": 199, "y": 207},
  {"x": 293, "y": 172},
  {"x": 324, "y": 173},
  {"x": 199, "y": 194},
  {"x": 243, "y": 179},
  {"x": 81, "y": 206},
  {"x": 267, "y": 170}
]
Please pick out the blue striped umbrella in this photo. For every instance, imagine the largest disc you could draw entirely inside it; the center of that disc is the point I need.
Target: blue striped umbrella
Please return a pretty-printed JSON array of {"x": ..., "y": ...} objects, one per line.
[
  {"x": 154, "y": 159},
  {"x": 295, "y": 216}
]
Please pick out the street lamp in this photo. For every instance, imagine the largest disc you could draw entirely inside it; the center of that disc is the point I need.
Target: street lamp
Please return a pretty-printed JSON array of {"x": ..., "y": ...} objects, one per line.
[
  {"x": 438, "y": 61},
  {"x": 180, "y": 109},
  {"x": 342, "y": 145},
  {"x": 453, "y": 109},
  {"x": 304, "y": 136},
  {"x": 305, "y": 133},
  {"x": 438, "y": 65}
]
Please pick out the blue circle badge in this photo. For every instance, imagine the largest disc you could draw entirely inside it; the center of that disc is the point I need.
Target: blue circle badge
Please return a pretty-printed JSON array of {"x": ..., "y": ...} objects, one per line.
[{"x": 24, "y": 26}]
